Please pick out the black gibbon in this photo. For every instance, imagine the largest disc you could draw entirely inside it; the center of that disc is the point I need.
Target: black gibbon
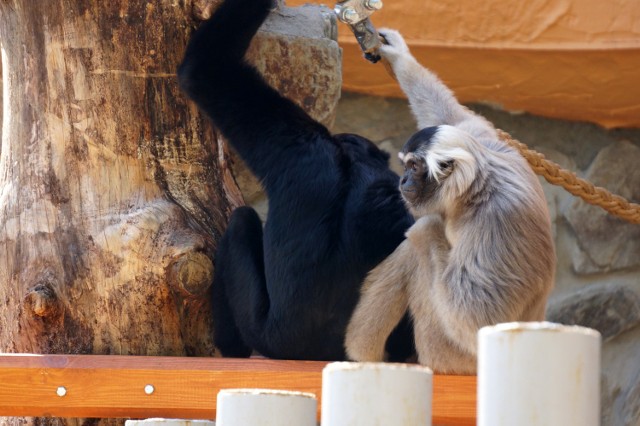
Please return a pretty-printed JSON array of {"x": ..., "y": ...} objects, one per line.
[
  {"x": 481, "y": 251},
  {"x": 335, "y": 210}
]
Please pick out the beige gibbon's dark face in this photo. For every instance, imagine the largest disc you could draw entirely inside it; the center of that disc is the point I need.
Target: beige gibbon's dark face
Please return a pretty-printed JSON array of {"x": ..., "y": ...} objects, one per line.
[{"x": 419, "y": 186}]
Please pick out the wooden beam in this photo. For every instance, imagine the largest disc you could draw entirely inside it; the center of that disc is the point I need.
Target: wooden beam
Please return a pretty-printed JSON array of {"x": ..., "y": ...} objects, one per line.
[{"x": 107, "y": 386}]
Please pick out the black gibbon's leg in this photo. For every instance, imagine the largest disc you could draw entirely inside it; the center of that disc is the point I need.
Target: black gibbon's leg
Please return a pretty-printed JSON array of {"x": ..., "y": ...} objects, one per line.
[
  {"x": 239, "y": 282},
  {"x": 226, "y": 334}
]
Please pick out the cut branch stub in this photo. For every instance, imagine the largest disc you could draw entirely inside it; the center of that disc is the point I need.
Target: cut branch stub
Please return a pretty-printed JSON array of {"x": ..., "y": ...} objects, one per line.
[
  {"x": 42, "y": 301},
  {"x": 191, "y": 273}
]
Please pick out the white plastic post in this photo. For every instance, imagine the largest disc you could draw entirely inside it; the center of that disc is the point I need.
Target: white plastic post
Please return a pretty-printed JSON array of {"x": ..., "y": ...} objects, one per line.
[
  {"x": 169, "y": 422},
  {"x": 367, "y": 394},
  {"x": 265, "y": 407},
  {"x": 538, "y": 374}
]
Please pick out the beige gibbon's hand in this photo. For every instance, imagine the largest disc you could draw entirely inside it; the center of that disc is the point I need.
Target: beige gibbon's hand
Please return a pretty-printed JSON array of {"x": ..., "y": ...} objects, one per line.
[
  {"x": 393, "y": 51},
  {"x": 393, "y": 45}
]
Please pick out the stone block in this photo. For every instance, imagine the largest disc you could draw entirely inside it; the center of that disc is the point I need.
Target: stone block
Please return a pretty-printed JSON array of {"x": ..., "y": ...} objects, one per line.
[
  {"x": 610, "y": 309},
  {"x": 607, "y": 243}
]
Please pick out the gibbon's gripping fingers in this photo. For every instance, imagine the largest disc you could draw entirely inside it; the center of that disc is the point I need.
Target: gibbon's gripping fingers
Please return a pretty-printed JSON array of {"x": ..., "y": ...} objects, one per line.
[
  {"x": 392, "y": 48},
  {"x": 383, "y": 302},
  {"x": 393, "y": 43}
]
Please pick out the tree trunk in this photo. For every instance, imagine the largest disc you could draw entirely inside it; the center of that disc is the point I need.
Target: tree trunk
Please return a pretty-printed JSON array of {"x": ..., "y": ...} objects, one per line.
[
  {"x": 112, "y": 192},
  {"x": 1, "y": 109},
  {"x": 113, "y": 188}
]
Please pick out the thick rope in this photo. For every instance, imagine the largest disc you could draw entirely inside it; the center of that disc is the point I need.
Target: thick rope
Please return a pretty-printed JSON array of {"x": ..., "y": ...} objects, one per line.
[{"x": 556, "y": 175}]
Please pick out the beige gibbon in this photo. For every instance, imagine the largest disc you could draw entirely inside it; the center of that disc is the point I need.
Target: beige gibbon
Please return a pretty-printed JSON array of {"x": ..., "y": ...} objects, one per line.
[{"x": 481, "y": 250}]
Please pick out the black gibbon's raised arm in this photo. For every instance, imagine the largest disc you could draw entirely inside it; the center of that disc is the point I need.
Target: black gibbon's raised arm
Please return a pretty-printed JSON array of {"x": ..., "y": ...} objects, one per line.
[
  {"x": 335, "y": 211},
  {"x": 481, "y": 251}
]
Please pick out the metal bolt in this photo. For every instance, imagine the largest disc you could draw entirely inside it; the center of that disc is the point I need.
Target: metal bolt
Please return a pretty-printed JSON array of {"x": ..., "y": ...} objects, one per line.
[
  {"x": 348, "y": 15},
  {"x": 373, "y": 4},
  {"x": 149, "y": 389},
  {"x": 61, "y": 391}
]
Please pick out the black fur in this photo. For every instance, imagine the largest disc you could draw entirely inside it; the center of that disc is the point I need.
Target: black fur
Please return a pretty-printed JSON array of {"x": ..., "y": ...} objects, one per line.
[{"x": 335, "y": 210}]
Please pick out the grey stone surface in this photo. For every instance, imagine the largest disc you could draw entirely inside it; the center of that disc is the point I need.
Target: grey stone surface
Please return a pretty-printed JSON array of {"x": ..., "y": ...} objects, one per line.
[
  {"x": 308, "y": 21},
  {"x": 610, "y": 309},
  {"x": 621, "y": 380},
  {"x": 630, "y": 413},
  {"x": 606, "y": 243}
]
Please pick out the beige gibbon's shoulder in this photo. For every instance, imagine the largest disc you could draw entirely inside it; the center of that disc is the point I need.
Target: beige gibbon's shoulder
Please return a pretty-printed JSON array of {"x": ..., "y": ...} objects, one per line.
[{"x": 427, "y": 230}]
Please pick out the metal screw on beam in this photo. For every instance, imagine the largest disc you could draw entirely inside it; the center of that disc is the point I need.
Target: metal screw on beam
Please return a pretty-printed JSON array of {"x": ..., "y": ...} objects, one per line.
[
  {"x": 149, "y": 389},
  {"x": 61, "y": 391},
  {"x": 348, "y": 15},
  {"x": 373, "y": 4}
]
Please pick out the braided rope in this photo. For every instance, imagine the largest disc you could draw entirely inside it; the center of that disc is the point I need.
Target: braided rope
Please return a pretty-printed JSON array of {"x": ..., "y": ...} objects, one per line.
[{"x": 556, "y": 175}]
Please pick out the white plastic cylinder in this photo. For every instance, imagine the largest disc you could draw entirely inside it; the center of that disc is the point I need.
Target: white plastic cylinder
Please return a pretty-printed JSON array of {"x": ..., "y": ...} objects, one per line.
[
  {"x": 169, "y": 422},
  {"x": 367, "y": 394},
  {"x": 538, "y": 374},
  {"x": 265, "y": 407}
]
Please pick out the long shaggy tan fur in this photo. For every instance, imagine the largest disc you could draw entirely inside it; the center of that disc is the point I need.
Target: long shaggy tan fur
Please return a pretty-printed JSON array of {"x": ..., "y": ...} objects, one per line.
[{"x": 481, "y": 252}]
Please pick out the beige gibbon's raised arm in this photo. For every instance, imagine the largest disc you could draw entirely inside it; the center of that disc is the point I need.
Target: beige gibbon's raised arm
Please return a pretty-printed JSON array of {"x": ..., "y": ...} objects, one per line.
[
  {"x": 432, "y": 103},
  {"x": 482, "y": 246}
]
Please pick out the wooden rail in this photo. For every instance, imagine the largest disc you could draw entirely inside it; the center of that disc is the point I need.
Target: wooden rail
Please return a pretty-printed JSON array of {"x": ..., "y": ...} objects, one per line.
[{"x": 114, "y": 386}]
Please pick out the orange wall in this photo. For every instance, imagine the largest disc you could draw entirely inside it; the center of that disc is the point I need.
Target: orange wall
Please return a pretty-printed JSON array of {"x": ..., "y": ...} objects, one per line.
[{"x": 570, "y": 59}]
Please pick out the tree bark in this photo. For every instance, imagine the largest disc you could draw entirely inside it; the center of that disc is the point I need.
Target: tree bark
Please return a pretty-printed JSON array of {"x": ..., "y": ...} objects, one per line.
[
  {"x": 1, "y": 98},
  {"x": 113, "y": 189}
]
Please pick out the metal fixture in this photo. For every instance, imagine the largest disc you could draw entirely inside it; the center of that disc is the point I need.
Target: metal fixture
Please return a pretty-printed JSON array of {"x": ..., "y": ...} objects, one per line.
[{"x": 356, "y": 13}]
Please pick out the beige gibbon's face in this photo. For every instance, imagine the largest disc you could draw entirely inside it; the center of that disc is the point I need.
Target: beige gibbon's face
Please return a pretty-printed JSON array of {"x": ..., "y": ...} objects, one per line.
[{"x": 439, "y": 168}]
